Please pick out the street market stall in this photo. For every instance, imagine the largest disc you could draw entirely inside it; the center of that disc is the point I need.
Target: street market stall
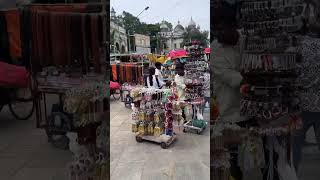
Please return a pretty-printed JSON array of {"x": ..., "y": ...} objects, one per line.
[
  {"x": 269, "y": 99},
  {"x": 67, "y": 50}
]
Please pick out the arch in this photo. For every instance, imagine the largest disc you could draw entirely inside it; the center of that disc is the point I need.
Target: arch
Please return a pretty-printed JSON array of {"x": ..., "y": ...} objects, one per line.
[
  {"x": 123, "y": 49},
  {"x": 117, "y": 47}
]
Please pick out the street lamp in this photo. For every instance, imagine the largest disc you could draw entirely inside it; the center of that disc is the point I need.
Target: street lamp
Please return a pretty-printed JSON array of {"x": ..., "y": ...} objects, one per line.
[{"x": 146, "y": 8}]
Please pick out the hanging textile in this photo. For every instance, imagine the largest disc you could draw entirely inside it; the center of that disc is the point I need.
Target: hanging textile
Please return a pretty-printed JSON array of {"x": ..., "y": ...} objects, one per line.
[
  {"x": 66, "y": 38},
  {"x": 127, "y": 73},
  {"x": 13, "y": 28},
  {"x": 4, "y": 42}
]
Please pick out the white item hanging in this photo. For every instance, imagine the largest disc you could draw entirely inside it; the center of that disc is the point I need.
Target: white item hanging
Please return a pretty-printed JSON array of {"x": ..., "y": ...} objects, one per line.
[{"x": 285, "y": 170}]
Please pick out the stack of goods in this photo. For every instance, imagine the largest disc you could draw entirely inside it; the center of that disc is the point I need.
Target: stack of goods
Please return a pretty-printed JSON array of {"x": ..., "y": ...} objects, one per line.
[
  {"x": 89, "y": 105},
  {"x": 152, "y": 112},
  {"x": 269, "y": 97},
  {"x": 148, "y": 113}
]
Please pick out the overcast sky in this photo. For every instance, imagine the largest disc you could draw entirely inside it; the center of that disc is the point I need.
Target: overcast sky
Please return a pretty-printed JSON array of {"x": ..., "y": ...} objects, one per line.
[{"x": 169, "y": 10}]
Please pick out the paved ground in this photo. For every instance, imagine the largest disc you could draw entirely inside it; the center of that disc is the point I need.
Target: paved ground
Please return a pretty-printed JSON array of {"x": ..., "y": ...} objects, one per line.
[
  {"x": 310, "y": 166},
  {"x": 25, "y": 153},
  {"x": 187, "y": 159}
]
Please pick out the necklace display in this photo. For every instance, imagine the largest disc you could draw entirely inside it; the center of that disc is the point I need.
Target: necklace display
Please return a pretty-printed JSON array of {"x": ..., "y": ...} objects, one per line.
[{"x": 269, "y": 94}]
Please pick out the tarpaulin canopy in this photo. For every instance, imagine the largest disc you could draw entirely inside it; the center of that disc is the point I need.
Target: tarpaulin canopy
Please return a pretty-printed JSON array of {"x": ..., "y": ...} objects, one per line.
[
  {"x": 207, "y": 50},
  {"x": 154, "y": 58},
  {"x": 177, "y": 53}
]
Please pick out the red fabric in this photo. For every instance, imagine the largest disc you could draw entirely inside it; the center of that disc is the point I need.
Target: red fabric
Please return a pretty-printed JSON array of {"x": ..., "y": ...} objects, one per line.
[
  {"x": 13, "y": 28},
  {"x": 114, "y": 85},
  {"x": 114, "y": 72},
  {"x": 13, "y": 76}
]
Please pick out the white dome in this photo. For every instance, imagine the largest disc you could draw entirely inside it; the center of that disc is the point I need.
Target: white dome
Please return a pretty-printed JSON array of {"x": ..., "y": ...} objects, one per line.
[
  {"x": 163, "y": 25},
  {"x": 178, "y": 28}
]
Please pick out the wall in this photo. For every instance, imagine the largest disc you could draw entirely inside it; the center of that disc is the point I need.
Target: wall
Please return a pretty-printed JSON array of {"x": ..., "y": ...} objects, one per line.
[{"x": 142, "y": 43}]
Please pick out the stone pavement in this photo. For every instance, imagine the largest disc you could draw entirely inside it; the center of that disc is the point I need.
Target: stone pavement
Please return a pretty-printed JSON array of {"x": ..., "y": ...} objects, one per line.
[
  {"x": 25, "y": 153},
  {"x": 310, "y": 165},
  {"x": 187, "y": 159}
]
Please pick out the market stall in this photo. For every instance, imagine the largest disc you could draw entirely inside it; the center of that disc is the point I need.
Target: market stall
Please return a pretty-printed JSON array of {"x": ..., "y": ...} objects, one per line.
[
  {"x": 67, "y": 47},
  {"x": 268, "y": 96}
]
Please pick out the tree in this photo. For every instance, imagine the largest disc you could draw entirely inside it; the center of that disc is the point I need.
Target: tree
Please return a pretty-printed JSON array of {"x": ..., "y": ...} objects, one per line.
[
  {"x": 130, "y": 23},
  {"x": 195, "y": 34}
]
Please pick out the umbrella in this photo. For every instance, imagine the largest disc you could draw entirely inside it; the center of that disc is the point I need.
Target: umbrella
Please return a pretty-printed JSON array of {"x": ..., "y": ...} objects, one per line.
[{"x": 174, "y": 54}]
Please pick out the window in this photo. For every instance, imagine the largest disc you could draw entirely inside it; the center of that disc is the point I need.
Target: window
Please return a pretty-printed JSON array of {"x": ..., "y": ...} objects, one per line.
[{"x": 175, "y": 46}]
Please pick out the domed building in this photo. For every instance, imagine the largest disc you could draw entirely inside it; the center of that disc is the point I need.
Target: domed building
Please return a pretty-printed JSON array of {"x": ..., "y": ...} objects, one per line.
[{"x": 173, "y": 38}]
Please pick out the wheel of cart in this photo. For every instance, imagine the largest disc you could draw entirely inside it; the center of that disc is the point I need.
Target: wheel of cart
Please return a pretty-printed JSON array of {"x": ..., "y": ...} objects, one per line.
[
  {"x": 59, "y": 124},
  {"x": 139, "y": 139},
  {"x": 20, "y": 102},
  {"x": 164, "y": 145}
]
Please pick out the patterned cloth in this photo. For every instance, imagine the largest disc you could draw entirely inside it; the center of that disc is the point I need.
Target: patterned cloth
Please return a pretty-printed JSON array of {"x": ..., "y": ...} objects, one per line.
[{"x": 310, "y": 74}]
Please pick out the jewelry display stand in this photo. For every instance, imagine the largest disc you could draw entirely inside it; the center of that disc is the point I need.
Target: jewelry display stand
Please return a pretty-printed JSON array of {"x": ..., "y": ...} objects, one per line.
[
  {"x": 152, "y": 118},
  {"x": 269, "y": 97},
  {"x": 195, "y": 68}
]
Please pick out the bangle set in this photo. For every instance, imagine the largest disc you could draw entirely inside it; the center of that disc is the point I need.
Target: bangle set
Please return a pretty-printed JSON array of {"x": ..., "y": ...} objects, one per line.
[
  {"x": 291, "y": 24},
  {"x": 263, "y": 110},
  {"x": 261, "y": 44},
  {"x": 268, "y": 62}
]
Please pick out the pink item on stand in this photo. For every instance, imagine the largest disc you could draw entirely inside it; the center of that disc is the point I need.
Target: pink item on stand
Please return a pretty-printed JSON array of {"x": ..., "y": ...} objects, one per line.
[
  {"x": 114, "y": 85},
  {"x": 207, "y": 50},
  {"x": 13, "y": 76}
]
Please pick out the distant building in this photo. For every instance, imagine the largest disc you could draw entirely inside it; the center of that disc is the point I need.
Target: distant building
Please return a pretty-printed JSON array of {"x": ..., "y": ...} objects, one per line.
[
  {"x": 142, "y": 44},
  {"x": 173, "y": 39},
  {"x": 119, "y": 40}
]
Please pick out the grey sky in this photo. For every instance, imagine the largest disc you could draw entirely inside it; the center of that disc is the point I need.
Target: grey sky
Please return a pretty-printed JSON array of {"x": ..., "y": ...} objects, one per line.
[{"x": 169, "y": 10}]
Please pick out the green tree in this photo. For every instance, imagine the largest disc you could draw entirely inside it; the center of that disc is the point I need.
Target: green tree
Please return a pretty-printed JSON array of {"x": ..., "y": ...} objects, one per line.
[{"x": 195, "y": 34}]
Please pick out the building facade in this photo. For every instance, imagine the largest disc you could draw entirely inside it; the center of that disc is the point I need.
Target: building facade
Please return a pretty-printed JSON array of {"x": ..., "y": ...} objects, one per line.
[
  {"x": 173, "y": 39},
  {"x": 119, "y": 40},
  {"x": 142, "y": 44}
]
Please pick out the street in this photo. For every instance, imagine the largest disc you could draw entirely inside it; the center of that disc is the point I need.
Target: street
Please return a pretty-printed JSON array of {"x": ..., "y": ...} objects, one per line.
[{"x": 25, "y": 153}]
